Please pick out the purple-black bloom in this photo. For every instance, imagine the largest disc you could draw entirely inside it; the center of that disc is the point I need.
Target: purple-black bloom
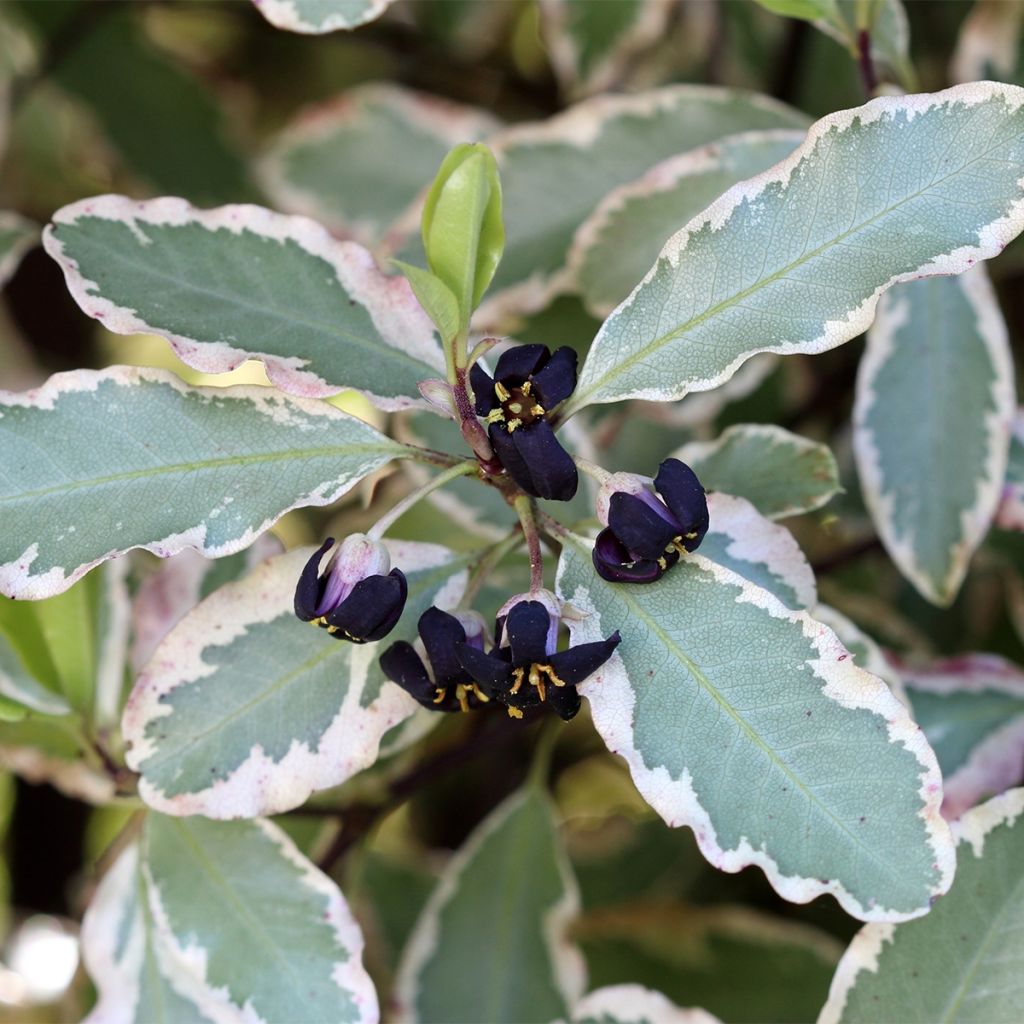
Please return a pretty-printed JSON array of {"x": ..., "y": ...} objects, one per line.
[
  {"x": 439, "y": 683},
  {"x": 529, "y": 382},
  {"x": 355, "y": 598},
  {"x": 645, "y": 535},
  {"x": 525, "y": 669}
]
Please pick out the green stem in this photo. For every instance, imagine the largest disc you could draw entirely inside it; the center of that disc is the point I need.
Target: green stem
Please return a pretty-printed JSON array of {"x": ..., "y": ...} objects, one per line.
[
  {"x": 491, "y": 559},
  {"x": 389, "y": 518},
  {"x": 599, "y": 473},
  {"x": 525, "y": 510}
]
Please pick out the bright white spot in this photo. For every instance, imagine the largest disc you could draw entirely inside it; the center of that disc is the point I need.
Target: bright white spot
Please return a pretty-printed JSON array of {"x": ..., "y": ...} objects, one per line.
[{"x": 43, "y": 954}]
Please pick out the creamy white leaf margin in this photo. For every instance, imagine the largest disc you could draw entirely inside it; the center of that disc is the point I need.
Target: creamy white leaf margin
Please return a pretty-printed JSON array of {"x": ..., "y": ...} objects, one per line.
[
  {"x": 188, "y": 956},
  {"x": 23, "y": 236},
  {"x": 568, "y": 965},
  {"x": 612, "y": 698},
  {"x": 581, "y": 128},
  {"x": 868, "y": 945},
  {"x": 646, "y": 28},
  {"x": 73, "y": 778},
  {"x": 117, "y": 940},
  {"x": 174, "y": 588},
  {"x": 593, "y": 386},
  {"x": 389, "y": 301},
  {"x": 260, "y": 784},
  {"x": 753, "y": 539},
  {"x": 893, "y": 315},
  {"x": 864, "y": 649},
  {"x": 449, "y": 122},
  {"x": 695, "y": 453},
  {"x": 314, "y": 17},
  {"x": 664, "y": 177},
  {"x": 16, "y": 577},
  {"x": 1010, "y": 515},
  {"x": 634, "y": 1004},
  {"x": 995, "y": 764}
]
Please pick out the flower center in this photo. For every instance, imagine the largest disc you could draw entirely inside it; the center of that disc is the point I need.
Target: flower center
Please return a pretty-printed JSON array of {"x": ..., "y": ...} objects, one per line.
[{"x": 518, "y": 407}]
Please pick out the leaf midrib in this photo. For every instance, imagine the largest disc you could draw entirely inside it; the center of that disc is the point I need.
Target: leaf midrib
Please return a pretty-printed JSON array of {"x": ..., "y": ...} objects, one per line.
[
  {"x": 702, "y": 680},
  {"x": 580, "y": 399},
  {"x": 205, "y": 466}
]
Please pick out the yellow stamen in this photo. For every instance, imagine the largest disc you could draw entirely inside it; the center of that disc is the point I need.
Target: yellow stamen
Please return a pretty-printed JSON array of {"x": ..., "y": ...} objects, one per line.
[
  {"x": 514, "y": 713},
  {"x": 550, "y": 673},
  {"x": 460, "y": 696},
  {"x": 501, "y": 391},
  {"x": 537, "y": 410},
  {"x": 332, "y": 629},
  {"x": 480, "y": 695},
  {"x": 441, "y": 694},
  {"x": 527, "y": 386},
  {"x": 512, "y": 424},
  {"x": 496, "y": 416},
  {"x": 663, "y": 564},
  {"x": 517, "y": 680},
  {"x": 536, "y": 681},
  {"x": 692, "y": 535}
]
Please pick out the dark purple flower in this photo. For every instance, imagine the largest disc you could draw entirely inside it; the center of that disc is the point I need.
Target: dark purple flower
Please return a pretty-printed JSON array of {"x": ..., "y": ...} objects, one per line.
[
  {"x": 355, "y": 598},
  {"x": 645, "y": 535},
  {"x": 529, "y": 382},
  {"x": 525, "y": 670},
  {"x": 440, "y": 683}
]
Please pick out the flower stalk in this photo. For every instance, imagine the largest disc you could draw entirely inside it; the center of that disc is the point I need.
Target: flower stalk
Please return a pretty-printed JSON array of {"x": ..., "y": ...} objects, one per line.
[{"x": 390, "y": 517}]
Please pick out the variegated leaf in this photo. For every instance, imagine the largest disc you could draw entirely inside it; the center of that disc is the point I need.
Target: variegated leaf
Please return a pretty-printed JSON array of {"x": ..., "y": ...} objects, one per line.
[
  {"x": 972, "y": 710},
  {"x": 592, "y": 44},
  {"x": 935, "y": 396},
  {"x": 314, "y": 17},
  {"x": 964, "y": 962},
  {"x": 794, "y": 260},
  {"x": 616, "y": 245},
  {"x": 179, "y": 584},
  {"x": 17, "y": 236},
  {"x": 634, "y": 1004},
  {"x": 244, "y": 710},
  {"x": 1010, "y": 515},
  {"x": 259, "y": 926},
  {"x": 988, "y": 45},
  {"x": 750, "y": 723},
  {"x": 553, "y": 173},
  {"x": 491, "y": 944},
  {"x": 781, "y": 473},
  {"x": 99, "y": 462},
  {"x": 356, "y": 163},
  {"x": 741, "y": 539},
  {"x": 136, "y": 982},
  {"x": 240, "y": 282},
  {"x": 18, "y": 683}
]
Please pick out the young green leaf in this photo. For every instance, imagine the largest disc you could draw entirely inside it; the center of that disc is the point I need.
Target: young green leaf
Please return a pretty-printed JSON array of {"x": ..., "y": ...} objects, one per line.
[
  {"x": 463, "y": 233},
  {"x": 726, "y": 705},
  {"x": 972, "y": 710},
  {"x": 491, "y": 944},
  {"x": 357, "y": 162},
  {"x": 937, "y": 364},
  {"x": 781, "y": 473},
  {"x": 240, "y": 282},
  {"x": 687, "y": 328},
  {"x": 244, "y": 710},
  {"x": 964, "y": 961},
  {"x": 120, "y": 442},
  {"x": 435, "y": 297}
]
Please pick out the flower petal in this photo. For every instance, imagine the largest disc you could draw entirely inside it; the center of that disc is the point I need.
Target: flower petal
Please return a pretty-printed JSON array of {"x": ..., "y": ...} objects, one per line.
[
  {"x": 575, "y": 664},
  {"x": 492, "y": 673},
  {"x": 402, "y": 665},
  {"x": 528, "y": 628},
  {"x": 614, "y": 563},
  {"x": 441, "y": 634},
  {"x": 557, "y": 380},
  {"x": 307, "y": 590},
  {"x": 519, "y": 362},
  {"x": 550, "y": 467},
  {"x": 373, "y": 608},
  {"x": 644, "y": 531},
  {"x": 685, "y": 497},
  {"x": 483, "y": 390}
]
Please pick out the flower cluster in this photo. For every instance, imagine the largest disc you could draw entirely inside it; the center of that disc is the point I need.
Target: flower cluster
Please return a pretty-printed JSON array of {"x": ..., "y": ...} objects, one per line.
[
  {"x": 522, "y": 671},
  {"x": 529, "y": 382},
  {"x": 644, "y": 534}
]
